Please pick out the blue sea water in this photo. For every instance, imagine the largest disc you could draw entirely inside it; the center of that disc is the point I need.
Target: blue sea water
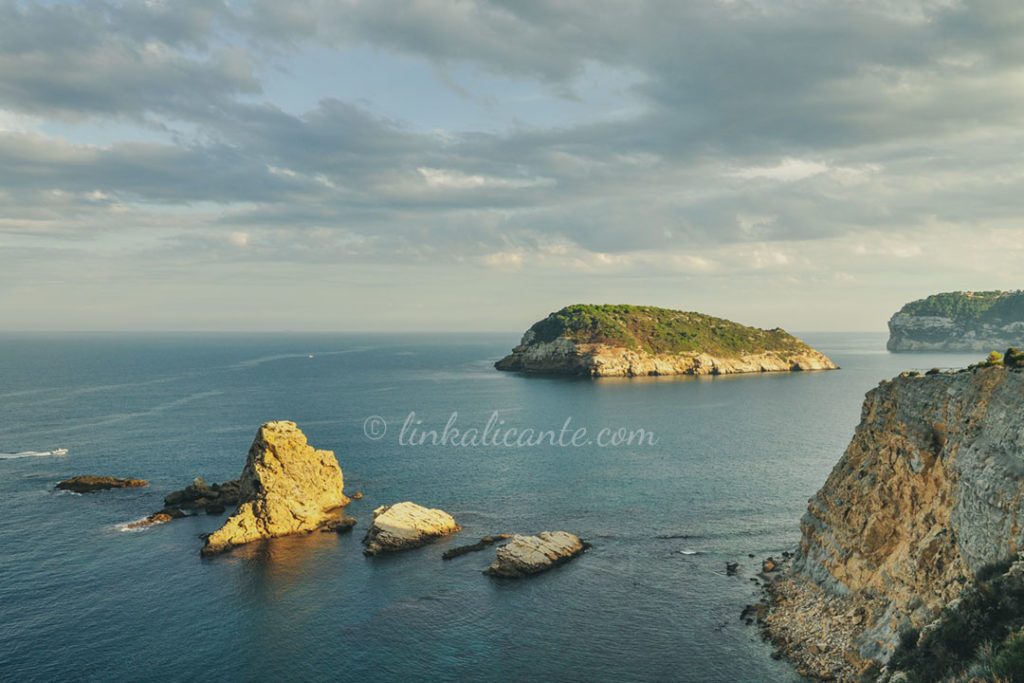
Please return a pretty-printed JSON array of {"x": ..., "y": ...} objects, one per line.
[{"x": 81, "y": 598}]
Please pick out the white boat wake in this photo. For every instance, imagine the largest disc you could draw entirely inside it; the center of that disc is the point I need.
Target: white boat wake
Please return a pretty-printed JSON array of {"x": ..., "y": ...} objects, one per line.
[{"x": 33, "y": 454}]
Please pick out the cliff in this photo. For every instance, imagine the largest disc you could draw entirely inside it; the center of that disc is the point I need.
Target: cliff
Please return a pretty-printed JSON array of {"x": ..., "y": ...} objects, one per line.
[
  {"x": 930, "y": 489},
  {"x": 287, "y": 487},
  {"x": 601, "y": 341},
  {"x": 959, "y": 321}
]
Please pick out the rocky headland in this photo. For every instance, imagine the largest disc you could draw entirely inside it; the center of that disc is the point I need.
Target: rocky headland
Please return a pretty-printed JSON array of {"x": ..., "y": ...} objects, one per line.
[
  {"x": 959, "y": 321},
  {"x": 88, "y": 483},
  {"x": 287, "y": 487},
  {"x": 928, "y": 493},
  {"x": 629, "y": 341},
  {"x": 406, "y": 525},
  {"x": 527, "y": 555}
]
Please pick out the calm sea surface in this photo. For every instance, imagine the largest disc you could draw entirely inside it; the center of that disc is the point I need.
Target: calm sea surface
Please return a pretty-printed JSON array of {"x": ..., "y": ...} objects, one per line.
[{"x": 82, "y": 599}]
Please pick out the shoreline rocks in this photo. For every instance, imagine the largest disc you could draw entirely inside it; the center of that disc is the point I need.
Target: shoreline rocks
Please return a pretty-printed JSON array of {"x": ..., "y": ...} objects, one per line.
[
  {"x": 89, "y": 483},
  {"x": 287, "y": 487},
  {"x": 406, "y": 525},
  {"x": 527, "y": 555}
]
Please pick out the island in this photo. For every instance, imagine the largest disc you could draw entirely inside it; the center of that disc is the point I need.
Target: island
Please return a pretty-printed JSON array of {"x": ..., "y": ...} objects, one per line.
[
  {"x": 629, "y": 341},
  {"x": 959, "y": 321},
  {"x": 910, "y": 552}
]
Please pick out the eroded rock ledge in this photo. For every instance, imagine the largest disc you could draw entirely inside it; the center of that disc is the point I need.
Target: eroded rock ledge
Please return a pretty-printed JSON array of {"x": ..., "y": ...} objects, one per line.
[
  {"x": 406, "y": 525},
  {"x": 930, "y": 489},
  {"x": 287, "y": 487},
  {"x": 526, "y": 555}
]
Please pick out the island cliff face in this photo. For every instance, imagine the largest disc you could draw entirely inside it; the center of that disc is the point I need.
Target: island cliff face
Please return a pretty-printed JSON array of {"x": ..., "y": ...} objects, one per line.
[
  {"x": 959, "y": 321},
  {"x": 629, "y": 341},
  {"x": 930, "y": 489},
  {"x": 286, "y": 487}
]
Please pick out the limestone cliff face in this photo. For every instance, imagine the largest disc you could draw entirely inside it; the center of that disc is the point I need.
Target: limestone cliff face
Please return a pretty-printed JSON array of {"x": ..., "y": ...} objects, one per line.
[
  {"x": 565, "y": 356},
  {"x": 938, "y": 333},
  {"x": 930, "y": 489},
  {"x": 286, "y": 487}
]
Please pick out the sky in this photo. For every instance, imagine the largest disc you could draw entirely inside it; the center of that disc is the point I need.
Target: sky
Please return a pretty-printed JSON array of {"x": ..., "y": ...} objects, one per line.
[{"x": 459, "y": 165}]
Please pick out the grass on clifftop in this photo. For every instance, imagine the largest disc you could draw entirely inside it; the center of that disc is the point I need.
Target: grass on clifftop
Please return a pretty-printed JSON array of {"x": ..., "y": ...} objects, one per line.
[
  {"x": 992, "y": 306},
  {"x": 661, "y": 330}
]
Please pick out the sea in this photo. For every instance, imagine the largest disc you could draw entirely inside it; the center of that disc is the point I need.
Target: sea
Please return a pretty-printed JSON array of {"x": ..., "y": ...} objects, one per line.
[{"x": 670, "y": 479}]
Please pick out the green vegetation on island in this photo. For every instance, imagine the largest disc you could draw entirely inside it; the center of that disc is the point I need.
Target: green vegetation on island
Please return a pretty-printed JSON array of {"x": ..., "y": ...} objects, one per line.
[
  {"x": 990, "y": 306},
  {"x": 660, "y": 331}
]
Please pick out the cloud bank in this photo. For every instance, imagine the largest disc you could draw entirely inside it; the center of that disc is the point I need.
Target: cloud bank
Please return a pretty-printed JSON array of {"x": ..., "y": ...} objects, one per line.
[{"x": 789, "y": 145}]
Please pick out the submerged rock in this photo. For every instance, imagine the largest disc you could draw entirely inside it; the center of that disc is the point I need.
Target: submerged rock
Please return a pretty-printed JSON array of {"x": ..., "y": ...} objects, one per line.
[
  {"x": 525, "y": 555},
  {"x": 473, "y": 547},
  {"x": 287, "y": 487},
  {"x": 88, "y": 483},
  {"x": 165, "y": 515},
  {"x": 406, "y": 525}
]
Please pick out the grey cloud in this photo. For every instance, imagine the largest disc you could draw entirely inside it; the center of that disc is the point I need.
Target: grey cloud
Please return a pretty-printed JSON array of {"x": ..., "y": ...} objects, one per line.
[{"x": 726, "y": 86}]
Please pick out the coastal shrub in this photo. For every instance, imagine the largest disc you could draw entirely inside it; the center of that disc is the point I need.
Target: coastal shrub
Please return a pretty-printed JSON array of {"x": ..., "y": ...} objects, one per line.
[
  {"x": 1013, "y": 358},
  {"x": 908, "y": 638},
  {"x": 1008, "y": 665},
  {"x": 965, "y": 305},
  {"x": 989, "y": 612},
  {"x": 993, "y": 569}
]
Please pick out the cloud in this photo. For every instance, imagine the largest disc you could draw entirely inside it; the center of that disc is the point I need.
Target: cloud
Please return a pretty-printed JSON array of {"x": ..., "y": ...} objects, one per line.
[{"x": 752, "y": 127}]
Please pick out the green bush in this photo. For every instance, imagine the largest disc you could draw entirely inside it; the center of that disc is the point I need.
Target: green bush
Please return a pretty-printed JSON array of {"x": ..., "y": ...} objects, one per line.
[
  {"x": 990, "y": 611},
  {"x": 1009, "y": 663},
  {"x": 1013, "y": 358}
]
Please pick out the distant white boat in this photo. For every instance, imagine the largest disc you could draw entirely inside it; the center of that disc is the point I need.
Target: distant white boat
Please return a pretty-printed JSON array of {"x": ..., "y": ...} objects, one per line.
[
  {"x": 310, "y": 355},
  {"x": 59, "y": 451}
]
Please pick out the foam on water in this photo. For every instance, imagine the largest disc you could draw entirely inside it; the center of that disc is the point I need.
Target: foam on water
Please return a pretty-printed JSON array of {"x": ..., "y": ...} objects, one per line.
[{"x": 33, "y": 454}]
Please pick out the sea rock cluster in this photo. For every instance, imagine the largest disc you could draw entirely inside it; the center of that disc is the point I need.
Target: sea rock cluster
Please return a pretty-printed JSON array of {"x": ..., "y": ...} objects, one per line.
[
  {"x": 930, "y": 489},
  {"x": 213, "y": 499},
  {"x": 286, "y": 487}
]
